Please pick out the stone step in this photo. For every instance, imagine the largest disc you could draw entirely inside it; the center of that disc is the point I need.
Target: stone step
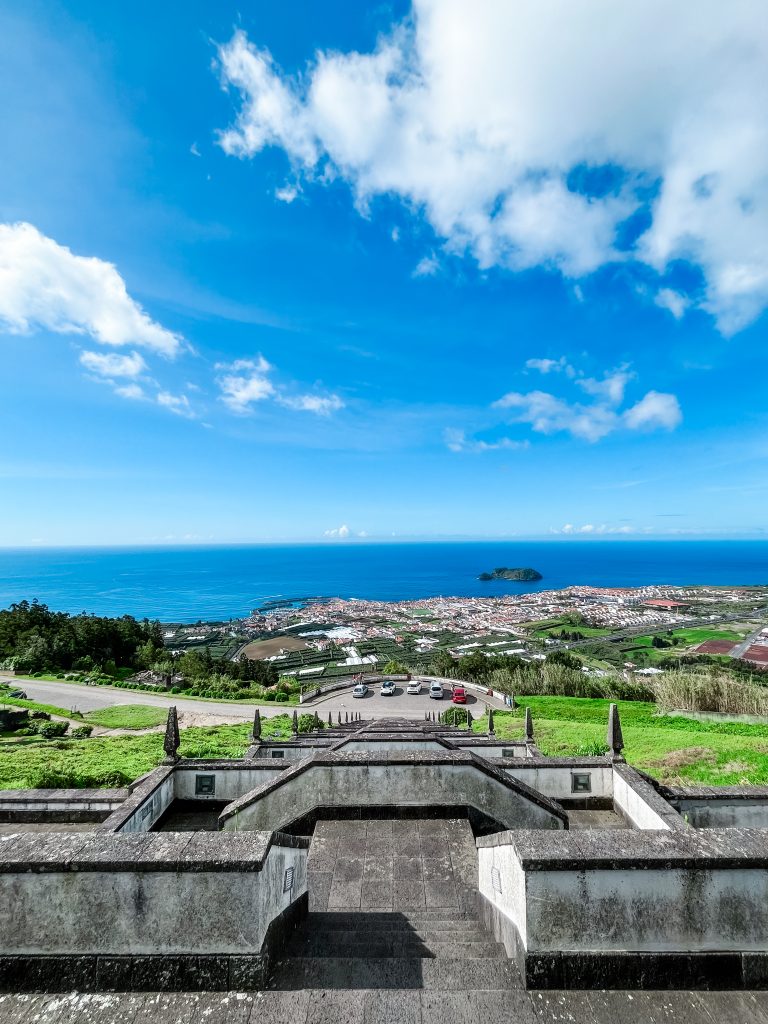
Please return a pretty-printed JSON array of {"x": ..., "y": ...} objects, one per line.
[
  {"x": 444, "y": 974},
  {"x": 353, "y": 920},
  {"x": 419, "y": 935},
  {"x": 392, "y": 948}
]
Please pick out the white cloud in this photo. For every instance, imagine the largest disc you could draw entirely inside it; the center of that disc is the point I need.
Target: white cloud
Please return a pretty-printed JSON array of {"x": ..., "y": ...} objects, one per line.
[
  {"x": 654, "y": 410},
  {"x": 673, "y": 301},
  {"x": 427, "y": 266},
  {"x": 457, "y": 441},
  {"x": 591, "y": 529},
  {"x": 323, "y": 405},
  {"x": 178, "y": 404},
  {"x": 133, "y": 391},
  {"x": 246, "y": 382},
  {"x": 45, "y": 286},
  {"x": 548, "y": 414},
  {"x": 287, "y": 193},
  {"x": 495, "y": 119},
  {"x": 550, "y": 366},
  {"x": 340, "y": 532},
  {"x": 610, "y": 388},
  {"x": 110, "y": 364}
]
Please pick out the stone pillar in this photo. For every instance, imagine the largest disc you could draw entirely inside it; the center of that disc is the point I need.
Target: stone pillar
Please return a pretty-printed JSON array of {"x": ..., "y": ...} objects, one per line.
[
  {"x": 528, "y": 726},
  {"x": 295, "y": 725},
  {"x": 256, "y": 731},
  {"x": 171, "y": 742},
  {"x": 615, "y": 738},
  {"x": 490, "y": 721}
]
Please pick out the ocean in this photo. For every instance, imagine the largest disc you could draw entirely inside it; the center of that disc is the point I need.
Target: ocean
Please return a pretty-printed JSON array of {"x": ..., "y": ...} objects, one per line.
[{"x": 218, "y": 583}]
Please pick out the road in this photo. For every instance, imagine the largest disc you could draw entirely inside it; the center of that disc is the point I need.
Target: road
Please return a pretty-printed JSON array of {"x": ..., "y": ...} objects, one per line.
[{"x": 92, "y": 698}]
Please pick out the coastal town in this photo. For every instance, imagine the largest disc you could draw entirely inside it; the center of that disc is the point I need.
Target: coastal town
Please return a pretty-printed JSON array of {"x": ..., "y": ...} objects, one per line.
[{"x": 329, "y": 636}]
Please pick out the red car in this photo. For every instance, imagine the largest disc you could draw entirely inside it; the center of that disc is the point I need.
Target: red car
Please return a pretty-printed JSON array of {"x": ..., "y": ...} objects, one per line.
[{"x": 459, "y": 695}]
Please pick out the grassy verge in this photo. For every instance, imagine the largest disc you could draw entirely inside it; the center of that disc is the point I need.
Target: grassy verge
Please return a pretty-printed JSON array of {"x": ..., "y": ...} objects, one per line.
[
  {"x": 127, "y": 716},
  {"x": 32, "y": 705},
  {"x": 675, "y": 750},
  {"x": 18, "y": 682},
  {"x": 101, "y": 761}
]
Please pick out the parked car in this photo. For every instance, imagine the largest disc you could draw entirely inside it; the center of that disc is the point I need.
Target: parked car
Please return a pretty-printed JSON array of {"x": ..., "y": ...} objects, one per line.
[
  {"x": 360, "y": 690},
  {"x": 436, "y": 691},
  {"x": 387, "y": 688},
  {"x": 414, "y": 686},
  {"x": 459, "y": 695}
]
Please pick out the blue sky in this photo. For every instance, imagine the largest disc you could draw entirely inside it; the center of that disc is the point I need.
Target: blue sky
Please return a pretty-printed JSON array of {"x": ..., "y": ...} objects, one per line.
[{"x": 307, "y": 271}]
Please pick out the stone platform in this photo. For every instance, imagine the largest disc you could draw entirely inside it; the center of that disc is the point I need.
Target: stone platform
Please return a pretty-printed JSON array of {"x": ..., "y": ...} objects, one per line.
[{"x": 356, "y": 1006}]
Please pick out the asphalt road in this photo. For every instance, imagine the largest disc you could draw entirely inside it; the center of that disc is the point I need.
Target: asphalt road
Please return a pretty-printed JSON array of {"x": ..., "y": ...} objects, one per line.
[{"x": 90, "y": 698}]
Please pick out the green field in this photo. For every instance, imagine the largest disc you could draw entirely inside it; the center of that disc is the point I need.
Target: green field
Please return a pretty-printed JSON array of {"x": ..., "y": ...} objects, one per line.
[
  {"x": 127, "y": 716},
  {"x": 553, "y": 632},
  {"x": 675, "y": 750},
  {"x": 680, "y": 750},
  {"x": 102, "y": 761}
]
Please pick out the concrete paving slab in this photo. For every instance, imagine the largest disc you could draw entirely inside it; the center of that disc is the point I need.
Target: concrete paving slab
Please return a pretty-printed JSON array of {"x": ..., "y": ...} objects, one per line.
[{"x": 336, "y": 1008}]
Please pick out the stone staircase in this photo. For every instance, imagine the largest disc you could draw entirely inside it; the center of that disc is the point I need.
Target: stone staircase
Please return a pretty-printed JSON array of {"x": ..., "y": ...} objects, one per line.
[
  {"x": 427, "y": 949},
  {"x": 392, "y": 908}
]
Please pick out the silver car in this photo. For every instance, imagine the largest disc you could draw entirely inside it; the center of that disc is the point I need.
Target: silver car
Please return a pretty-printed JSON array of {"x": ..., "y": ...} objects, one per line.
[
  {"x": 436, "y": 691},
  {"x": 360, "y": 690}
]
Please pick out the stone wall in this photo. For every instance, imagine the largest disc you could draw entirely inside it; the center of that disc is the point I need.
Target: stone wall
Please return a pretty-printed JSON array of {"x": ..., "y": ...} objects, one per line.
[
  {"x": 118, "y": 905},
  {"x": 630, "y": 909},
  {"x": 399, "y": 779},
  {"x": 722, "y": 806}
]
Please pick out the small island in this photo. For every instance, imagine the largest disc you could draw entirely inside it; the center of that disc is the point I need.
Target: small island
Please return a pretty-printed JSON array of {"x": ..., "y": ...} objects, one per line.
[{"x": 519, "y": 575}]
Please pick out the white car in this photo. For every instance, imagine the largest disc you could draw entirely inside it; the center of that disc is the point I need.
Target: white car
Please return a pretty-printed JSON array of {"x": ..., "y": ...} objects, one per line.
[
  {"x": 414, "y": 686},
  {"x": 387, "y": 688},
  {"x": 436, "y": 691},
  {"x": 360, "y": 690}
]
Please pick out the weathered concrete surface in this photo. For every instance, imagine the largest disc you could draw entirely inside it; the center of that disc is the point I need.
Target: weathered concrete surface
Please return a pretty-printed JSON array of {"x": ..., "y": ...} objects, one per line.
[
  {"x": 391, "y": 865},
  {"x": 597, "y": 908},
  {"x": 145, "y": 894},
  {"x": 451, "y": 778},
  {"x": 356, "y": 1006}
]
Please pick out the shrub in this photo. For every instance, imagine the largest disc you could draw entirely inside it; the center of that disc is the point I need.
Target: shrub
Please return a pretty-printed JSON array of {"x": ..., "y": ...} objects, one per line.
[
  {"x": 454, "y": 716},
  {"x": 269, "y": 696},
  {"x": 81, "y": 732},
  {"x": 281, "y": 695},
  {"x": 50, "y": 730},
  {"x": 41, "y": 715},
  {"x": 307, "y": 723},
  {"x": 595, "y": 749}
]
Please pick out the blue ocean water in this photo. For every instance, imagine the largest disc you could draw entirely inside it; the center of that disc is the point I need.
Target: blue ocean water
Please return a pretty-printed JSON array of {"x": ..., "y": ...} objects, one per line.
[{"x": 187, "y": 584}]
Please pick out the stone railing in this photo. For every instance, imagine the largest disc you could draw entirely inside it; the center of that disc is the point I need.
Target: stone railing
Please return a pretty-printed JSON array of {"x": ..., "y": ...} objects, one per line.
[
  {"x": 637, "y": 909},
  {"x": 159, "y": 911}
]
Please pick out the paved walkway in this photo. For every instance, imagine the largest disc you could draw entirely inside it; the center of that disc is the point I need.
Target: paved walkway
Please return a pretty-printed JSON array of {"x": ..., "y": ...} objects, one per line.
[
  {"x": 391, "y": 865},
  {"x": 356, "y": 1006}
]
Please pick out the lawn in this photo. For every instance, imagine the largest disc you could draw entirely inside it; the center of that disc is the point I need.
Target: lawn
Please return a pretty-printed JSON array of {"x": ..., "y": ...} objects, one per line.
[
  {"x": 127, "y": 716},
  {"x": 676, "y": 750},
  {"x": 102, "y": 761}
]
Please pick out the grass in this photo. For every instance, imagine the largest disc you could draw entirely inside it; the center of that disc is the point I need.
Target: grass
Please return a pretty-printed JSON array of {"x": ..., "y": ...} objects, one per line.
[
  {"x": 32, "y": 705},
  {"x": 554, "y": 632},
  {"x": 127, "y": 716},
  {"x": 116, "y": 761},
  {"x": 675, "y": 750}
]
